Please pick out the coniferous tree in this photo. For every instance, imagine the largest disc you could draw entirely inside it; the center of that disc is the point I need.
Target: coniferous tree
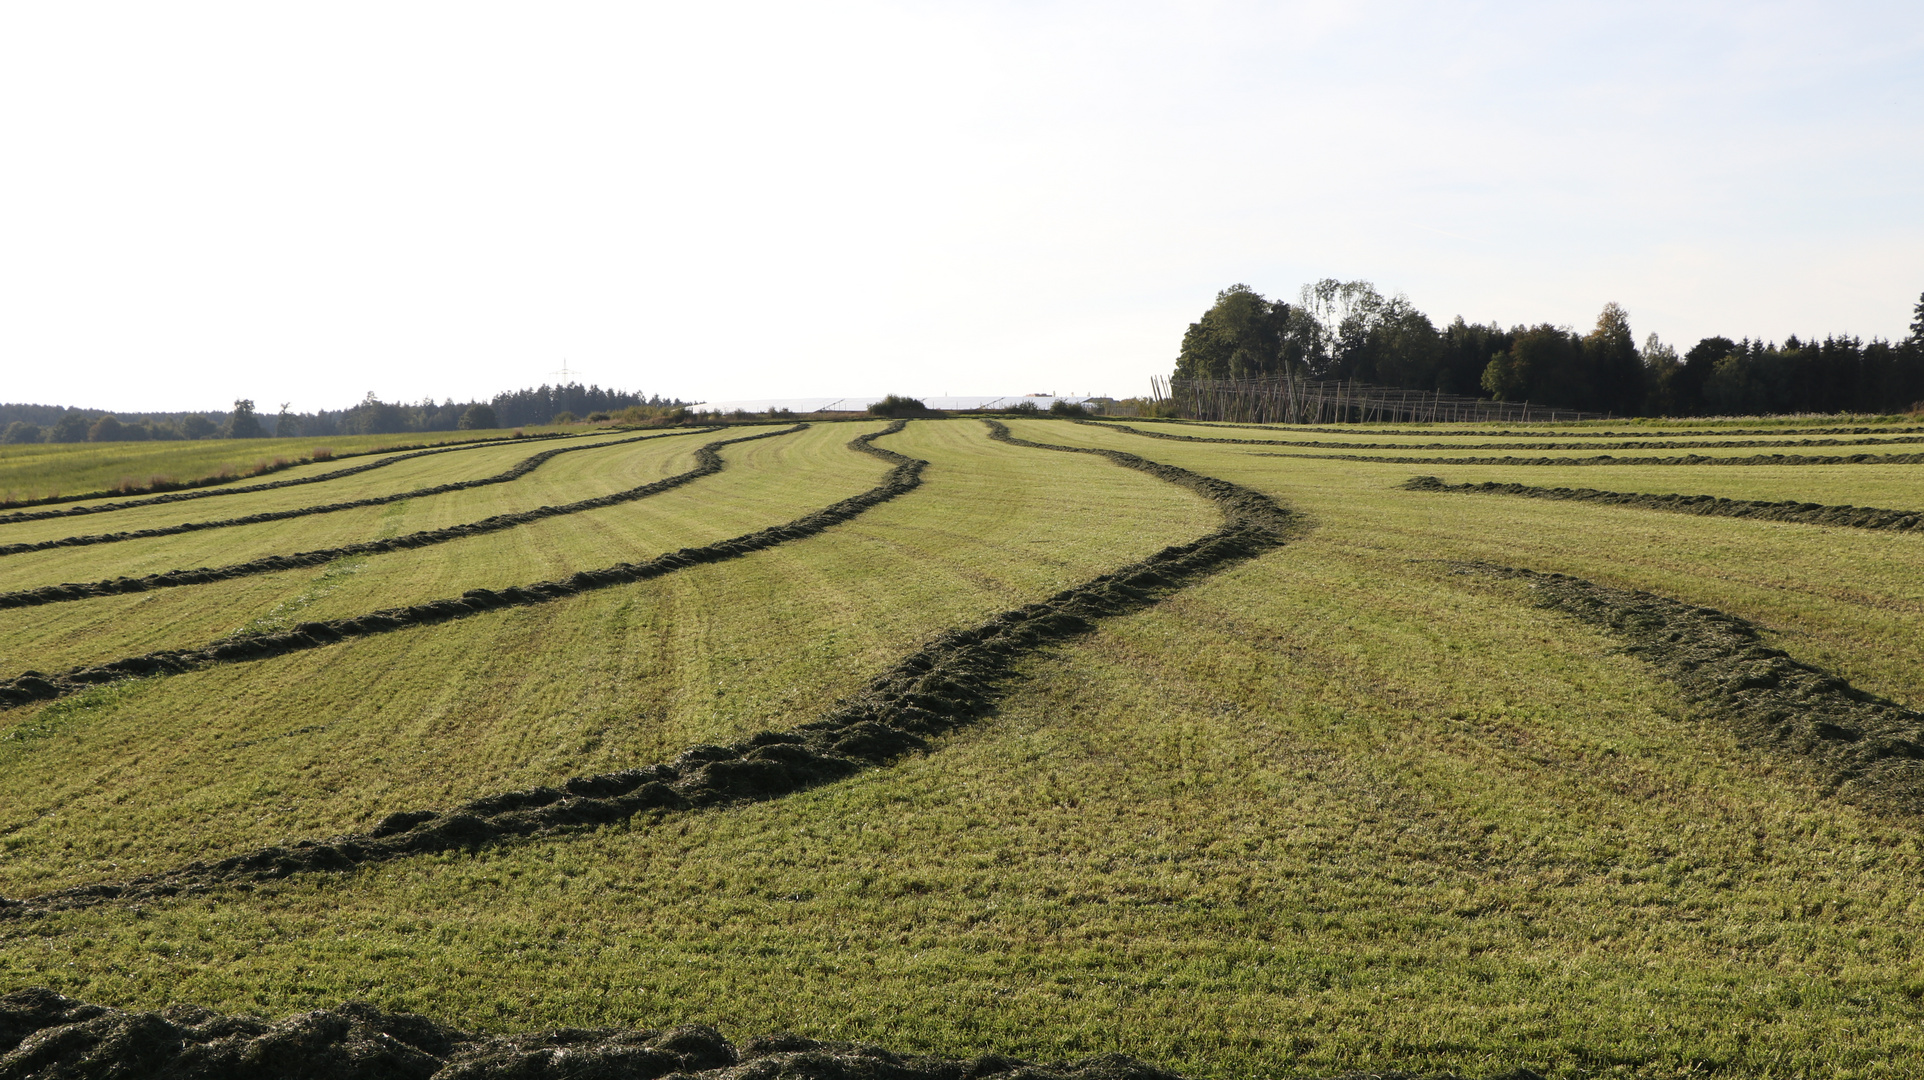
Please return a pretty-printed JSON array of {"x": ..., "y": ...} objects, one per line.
[
  {"x": 373, "y": 417},
  {"x": 1615, "y": 374},
  {"x": 1660, "y": 370},
  {"x": 1465, "y": 351}
]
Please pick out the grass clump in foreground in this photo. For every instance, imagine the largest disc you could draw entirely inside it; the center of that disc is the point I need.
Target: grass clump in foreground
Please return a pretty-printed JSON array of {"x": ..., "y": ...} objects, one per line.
[{"x": 1338, "y": 808}]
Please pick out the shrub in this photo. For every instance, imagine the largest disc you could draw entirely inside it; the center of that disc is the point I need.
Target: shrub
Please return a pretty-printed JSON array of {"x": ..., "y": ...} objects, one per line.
[
  {"x": 129, "y": 485},
  {"x": 598, "y": 418},
  {"x": 895, "y": 407},
  {"x": 1026, "y": 408},
  {"x": 1059, "y": 407},
  {"x": 670, "y": 418},
  {"x": 563, "y": 418}
]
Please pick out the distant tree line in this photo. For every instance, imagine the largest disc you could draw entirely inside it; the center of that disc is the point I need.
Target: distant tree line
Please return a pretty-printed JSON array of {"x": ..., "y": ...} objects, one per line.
[
  {"x": 1348, "y": 330},
  {"x": 371, "y": 416}
]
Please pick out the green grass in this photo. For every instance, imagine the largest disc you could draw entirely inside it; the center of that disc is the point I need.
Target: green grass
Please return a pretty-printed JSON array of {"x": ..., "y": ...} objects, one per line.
[
  {"x": 1527, "y": 435},
  {"x": 40, "y": 470},
  {"x": 760, "y": 488},
  {"x": 576, "y": 475},
  {"x": 1895, "y": 487},
  {"x": 612, "y": 679},
  {"x": 469, "y": 464},
  {"x": 1337, "y": 808}
]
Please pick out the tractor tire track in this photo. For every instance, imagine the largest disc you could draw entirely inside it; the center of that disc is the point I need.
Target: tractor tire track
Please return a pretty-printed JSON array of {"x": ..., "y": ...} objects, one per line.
[
  {"x": 1866, "y": 748},
  {"x": 708, "y": 462},
  {"x": 1849, "y": 517},
  {"x": 1690, "y": 445},
  {"x": 184, "y": 496},
  {"x": 946, "y": 684},
  {"x": 31, "y": 686},
  {"x": 45, "y": 1034},
  {"x": 516, "y": 472}
]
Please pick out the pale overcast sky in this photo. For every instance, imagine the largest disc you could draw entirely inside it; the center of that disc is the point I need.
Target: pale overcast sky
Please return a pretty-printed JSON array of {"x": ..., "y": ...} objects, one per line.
[{"x": 307, "y": 202}]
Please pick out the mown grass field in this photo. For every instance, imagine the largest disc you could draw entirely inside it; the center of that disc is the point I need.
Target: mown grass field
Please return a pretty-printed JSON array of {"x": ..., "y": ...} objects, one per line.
[
  {"x": 41, "y": 470},
  {"x": 1342, "y": 806}
]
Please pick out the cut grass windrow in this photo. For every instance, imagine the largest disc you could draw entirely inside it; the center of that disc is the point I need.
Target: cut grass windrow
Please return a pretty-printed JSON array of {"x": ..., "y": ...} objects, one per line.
[
  {"x": 944, "y": 685},
  {"x": 43, "y": 1033},
  {"x": 1606, "y": 459},
  {"x": 34, "y": 686},
  {"x": 1805, "y": 513},
  {"x": 1865, "y": 747},
  {"x": 222, "y": 489},
  {"x": 708, "y": 462},
  {"x": 1691, "y": 444},
  {"x": 516, "y": 472},
  {"x": 1444, "y": 429}
]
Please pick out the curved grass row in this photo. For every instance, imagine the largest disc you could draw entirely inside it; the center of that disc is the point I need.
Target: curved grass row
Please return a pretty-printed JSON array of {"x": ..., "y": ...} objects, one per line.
[
  {"x": 941, "y": 686},
  {"x": 562, "y": 480},
  {"x": 35, "y": 686},
  {"x": 514, "y": 472},
  {"x": 708, "y": 463},
  {"x": 1805, "y": 513},
  {"x": 1418, "y": 430},
  {"x": 215, "y": 487},
  {"x": 1867, "y": 745},
  {"x": 1607, "y": 459},
  {"x": 1645, "y": 445},
  {"x": 240, "y": 756}
]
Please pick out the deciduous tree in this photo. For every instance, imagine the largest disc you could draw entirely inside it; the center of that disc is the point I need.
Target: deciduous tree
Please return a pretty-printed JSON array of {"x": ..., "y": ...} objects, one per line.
[
  {"x": 479, "y": 417},
  {"x": 1241, "y": 336},
  {"x": 243, "y": 424}
]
